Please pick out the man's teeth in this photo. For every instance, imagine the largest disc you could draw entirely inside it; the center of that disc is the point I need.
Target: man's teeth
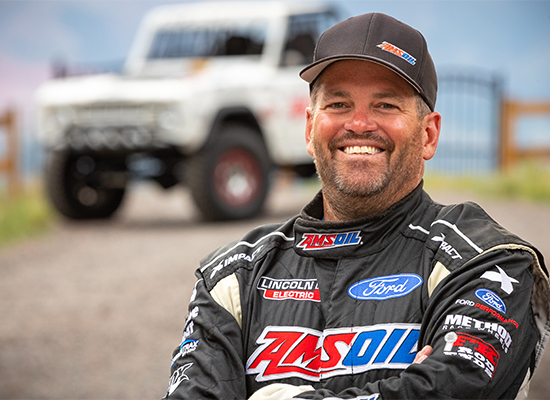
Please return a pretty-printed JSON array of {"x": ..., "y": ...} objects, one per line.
[{"x": 361, "y": 150}]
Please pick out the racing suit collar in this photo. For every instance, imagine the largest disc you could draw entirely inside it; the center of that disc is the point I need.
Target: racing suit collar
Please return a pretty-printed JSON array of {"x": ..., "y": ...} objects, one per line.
[{"x": 317, "y": 238}]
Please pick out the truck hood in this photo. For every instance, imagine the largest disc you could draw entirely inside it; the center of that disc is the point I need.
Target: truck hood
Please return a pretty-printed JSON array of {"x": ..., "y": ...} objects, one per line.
[
  {"x": 108, "y": 88},
  {"x": 209, "y": 75}
]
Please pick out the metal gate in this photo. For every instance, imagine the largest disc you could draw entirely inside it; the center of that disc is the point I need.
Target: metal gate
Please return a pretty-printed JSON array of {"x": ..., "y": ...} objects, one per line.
[{"x": 469, "y": 103}]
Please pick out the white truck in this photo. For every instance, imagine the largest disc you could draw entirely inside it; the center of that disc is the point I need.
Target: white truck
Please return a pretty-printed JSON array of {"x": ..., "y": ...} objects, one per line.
[{"x": 209, "y": 97}]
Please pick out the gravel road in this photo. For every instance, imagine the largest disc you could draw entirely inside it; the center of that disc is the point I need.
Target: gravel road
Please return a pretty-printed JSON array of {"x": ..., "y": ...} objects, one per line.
[{"x": 93, "y": 310}]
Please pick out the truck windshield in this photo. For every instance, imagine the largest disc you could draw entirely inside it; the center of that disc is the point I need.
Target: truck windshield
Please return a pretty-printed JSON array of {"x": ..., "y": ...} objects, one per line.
[{"x": 207, "y": 42}]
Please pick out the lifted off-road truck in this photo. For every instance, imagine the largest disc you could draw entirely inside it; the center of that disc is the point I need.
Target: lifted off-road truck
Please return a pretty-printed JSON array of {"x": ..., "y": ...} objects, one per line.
[{"x": 209, "y": 97}]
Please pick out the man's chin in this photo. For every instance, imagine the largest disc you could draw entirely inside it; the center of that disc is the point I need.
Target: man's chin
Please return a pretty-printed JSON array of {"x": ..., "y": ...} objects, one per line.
[{"x": 359, "y": 189}]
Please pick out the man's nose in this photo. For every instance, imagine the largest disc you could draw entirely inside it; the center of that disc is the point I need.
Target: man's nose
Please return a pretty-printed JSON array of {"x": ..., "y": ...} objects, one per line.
[{"x": 360, "y": 121}]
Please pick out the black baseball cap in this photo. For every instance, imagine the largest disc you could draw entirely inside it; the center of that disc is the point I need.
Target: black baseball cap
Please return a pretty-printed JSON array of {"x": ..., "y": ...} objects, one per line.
[{"x": 381, "y": 39}]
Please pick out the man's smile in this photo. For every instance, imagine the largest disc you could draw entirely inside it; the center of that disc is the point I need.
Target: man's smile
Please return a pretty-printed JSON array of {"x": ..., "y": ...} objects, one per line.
[{"x": 370, "y": 150}]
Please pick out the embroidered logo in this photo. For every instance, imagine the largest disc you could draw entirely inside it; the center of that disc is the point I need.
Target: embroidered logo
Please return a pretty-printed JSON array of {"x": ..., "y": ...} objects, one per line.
[
  {"x": 501, "y": 276},
  {"x": 290, "y": 289},
  {"x": 385, "y": 287},
  {"x": 321, "y": 241},
  {"x": 292, "y": 351},
  {"x": 473, "y": 349},
  {"x": 491, "y": 298},
  {"x": 398, "y": 52}
]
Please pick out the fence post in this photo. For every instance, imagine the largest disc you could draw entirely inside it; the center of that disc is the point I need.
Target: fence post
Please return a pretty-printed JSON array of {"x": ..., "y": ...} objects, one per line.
[
  {"x": 8, "y": 163},
  {"x": 509, "y": 152},
  {"x": 506, "y": 140}
]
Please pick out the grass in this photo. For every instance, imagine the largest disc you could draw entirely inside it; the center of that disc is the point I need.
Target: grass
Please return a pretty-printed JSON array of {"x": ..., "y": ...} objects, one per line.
[
  {"x": 23, "y": 215},
  {"x": 529, "y": 181}
]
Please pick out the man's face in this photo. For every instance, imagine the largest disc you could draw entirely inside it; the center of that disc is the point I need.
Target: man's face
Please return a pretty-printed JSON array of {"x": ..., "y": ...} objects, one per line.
[{"x": 364, "y": 132}]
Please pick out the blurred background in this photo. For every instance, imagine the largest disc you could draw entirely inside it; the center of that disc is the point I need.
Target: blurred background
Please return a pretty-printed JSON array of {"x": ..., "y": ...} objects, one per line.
[{"x": 92, "y": 308}]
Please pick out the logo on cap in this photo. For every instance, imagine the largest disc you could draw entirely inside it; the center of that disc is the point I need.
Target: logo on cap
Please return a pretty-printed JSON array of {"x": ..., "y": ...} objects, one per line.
[{"x": 398, "y": 52}]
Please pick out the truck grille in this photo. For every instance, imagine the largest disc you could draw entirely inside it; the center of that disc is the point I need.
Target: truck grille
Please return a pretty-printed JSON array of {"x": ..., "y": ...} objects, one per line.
[
  {"x": 115, "y": 114},
  {"x": 118, "y": 138},
  {"x": 113, "y": 126}
]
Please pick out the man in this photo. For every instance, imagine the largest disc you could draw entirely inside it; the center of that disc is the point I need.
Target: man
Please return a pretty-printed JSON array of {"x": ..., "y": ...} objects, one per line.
[{"x": 374, "y": 291}]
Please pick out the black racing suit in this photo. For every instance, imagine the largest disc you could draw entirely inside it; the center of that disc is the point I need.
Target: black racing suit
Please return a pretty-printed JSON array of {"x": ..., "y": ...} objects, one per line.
[{"x": 317, "y": 309}]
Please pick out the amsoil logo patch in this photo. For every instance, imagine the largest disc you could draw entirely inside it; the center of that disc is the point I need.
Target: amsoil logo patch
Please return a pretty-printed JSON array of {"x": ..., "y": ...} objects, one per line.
[
  {"x": 398, "y": 52},
  {"x": 290, "y": 289},
  {"x": 292, "y": 351},
  {"x": 320, "y": 241}
]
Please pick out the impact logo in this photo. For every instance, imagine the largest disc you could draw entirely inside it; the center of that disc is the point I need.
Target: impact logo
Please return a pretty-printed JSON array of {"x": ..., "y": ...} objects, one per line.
[
  {"x": 291, "y": 351},
  {"x": 474, "y": 349},
  {"x": 290, "y": 289},
  {"x": 398, "y": 52},
  {"x": 385, "y": 287},
  {"x": 446, "y": 247},
  {"x": 321, "y": 241},
  {"x": 491, "y": 298}
]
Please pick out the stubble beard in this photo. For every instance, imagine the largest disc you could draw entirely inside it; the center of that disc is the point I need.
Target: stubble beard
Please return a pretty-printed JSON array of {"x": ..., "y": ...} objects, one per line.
[{"x": 351, "y": 198}]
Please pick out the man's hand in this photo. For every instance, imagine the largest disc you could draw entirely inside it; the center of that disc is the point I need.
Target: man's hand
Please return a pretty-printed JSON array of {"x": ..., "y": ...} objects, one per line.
[{"x": 422, "y": 354}]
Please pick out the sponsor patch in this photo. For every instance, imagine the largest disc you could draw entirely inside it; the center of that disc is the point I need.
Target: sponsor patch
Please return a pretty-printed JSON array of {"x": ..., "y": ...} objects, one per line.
[
  {"x": 446, "y": 247},
  {"x": 188, "y": 346},
  {"x": 178, "y": 377},
  {"x": 491, "y": 298},
  {"x": 457, "y": 322},
  {"x": 501, "y": 276},
  {"x": 290, "y": 289},
  {"x": 235, "y": 257},
  {"x": 321, "y": 241},
  {"x": 189, "y": 324},
  {"x": 398, "y": 52},
  {"x": 474, "y": 349},
  {"x": 313, "y": 355},
  {"x": 471, "y": 303},
  {"x": 385, "y": 287}
]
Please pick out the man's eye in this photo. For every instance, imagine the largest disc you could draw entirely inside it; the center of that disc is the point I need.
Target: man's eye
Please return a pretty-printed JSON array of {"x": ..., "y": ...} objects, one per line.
[
  {"x": 387, "y": 106},
  {"x": 336, "y": 105}
]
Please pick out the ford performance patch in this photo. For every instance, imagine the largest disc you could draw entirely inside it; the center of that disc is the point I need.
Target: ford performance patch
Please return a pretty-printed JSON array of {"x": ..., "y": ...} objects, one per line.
[
  {"x": 491, "y": 298},
  {"x": 290, "y": 289},
  {"x": 385, "y": 287},
  {"x": 321, "y": 241}
]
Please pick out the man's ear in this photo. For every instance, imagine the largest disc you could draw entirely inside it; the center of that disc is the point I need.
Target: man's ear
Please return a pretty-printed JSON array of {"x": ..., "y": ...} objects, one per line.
[
  {"x": 309, "y": 133},
  {"x": 431, "y": 127}
]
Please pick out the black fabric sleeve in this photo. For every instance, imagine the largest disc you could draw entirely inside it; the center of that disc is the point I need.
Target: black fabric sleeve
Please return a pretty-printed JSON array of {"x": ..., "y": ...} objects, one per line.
[{"x": 208, "y": 364}]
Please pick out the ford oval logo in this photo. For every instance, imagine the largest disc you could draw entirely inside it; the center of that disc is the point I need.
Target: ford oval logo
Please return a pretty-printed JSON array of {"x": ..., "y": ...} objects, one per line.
[
  {"x": 491, "y": 298},
  {"x": 385, "y": 287}
]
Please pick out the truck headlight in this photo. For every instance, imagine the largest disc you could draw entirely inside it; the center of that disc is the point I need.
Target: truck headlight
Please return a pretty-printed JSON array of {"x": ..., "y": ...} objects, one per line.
[
  {"x": 170, "y": 119},
  {"x": 59, "y": 119}
]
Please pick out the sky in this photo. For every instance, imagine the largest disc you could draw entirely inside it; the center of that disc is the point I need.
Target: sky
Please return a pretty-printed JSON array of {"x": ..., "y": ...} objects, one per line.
[{"x": 508, "y": 38}]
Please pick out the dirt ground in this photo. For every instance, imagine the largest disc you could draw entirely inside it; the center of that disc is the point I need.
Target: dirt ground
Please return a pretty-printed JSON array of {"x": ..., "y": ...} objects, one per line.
[{"x": 94, "y": 310}]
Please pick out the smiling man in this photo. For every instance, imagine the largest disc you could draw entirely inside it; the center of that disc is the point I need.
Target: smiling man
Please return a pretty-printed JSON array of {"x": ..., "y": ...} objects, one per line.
[
  {"x": 368, "y": 138},
  {"x": 374, "y": 291}
]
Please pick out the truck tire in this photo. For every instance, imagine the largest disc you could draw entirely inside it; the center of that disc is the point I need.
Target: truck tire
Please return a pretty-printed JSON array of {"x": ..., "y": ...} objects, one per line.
[
  {"x": 230, "y": 178},
  {"x": 72, "y": 191}
]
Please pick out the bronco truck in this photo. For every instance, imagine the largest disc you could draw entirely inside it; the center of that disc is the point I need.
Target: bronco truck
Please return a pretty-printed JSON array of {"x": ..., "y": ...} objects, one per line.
[{"x": 209, "y": 97}]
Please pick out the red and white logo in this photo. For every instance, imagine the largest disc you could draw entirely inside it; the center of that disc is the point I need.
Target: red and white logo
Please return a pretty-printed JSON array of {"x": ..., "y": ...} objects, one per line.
[
  {"x": 291, "y": 351},
  {"x": 321, "y": 241},
  {"x": 290, "y": 289},
  {"x": 474, "y": 349}
]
